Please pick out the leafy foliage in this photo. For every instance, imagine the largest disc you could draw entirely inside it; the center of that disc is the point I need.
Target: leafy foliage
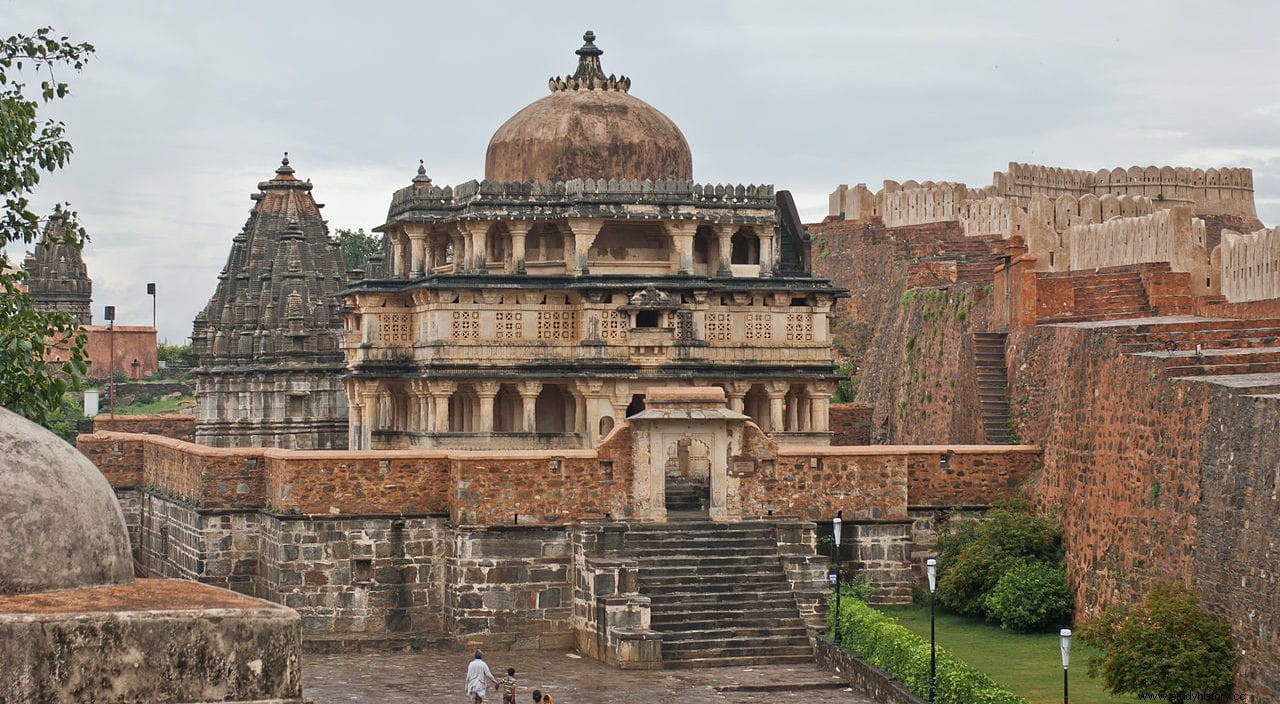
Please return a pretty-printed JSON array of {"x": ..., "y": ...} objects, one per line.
[
  {"x": 176, "y": 355},
  {"x": 1031, "y": 597},
  {"x": 975, "y": 555},
  {"x": 880, "y": 641},
  {"x": 357, "y": 247},
  {"x": 1165, "y": 647},
  {"x": 29, "y": 148},
  {"x": 62, "y": 421}
]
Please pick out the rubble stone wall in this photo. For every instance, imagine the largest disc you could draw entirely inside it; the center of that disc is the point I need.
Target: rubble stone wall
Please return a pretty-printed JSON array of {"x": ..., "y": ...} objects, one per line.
[{"x": 177, "y": 426}]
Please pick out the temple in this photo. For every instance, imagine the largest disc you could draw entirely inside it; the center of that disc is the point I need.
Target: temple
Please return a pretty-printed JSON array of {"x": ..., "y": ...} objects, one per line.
[
  {"x": 534, "y": 309},
  {"x": 57, "y": 280},
  {"x": 266, "y": 345}
]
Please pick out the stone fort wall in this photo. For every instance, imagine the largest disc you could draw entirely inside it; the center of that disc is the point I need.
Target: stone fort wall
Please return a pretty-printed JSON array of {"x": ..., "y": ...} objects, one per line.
[
  {"x": 401, "y": 547},
  {"x": 1157, "y": 480}
]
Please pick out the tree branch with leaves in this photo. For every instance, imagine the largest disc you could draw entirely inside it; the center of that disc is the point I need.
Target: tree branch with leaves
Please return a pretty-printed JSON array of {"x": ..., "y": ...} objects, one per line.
[{"x": 30, "y": 147}]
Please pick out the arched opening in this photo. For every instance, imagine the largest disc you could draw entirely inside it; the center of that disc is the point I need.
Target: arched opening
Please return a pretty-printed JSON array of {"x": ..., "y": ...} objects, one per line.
[
  {"x": 756, "y": 405},
  {"x": 464, "y": 409},
  {"x": 554, "y": 409},
  {"x": 636, "y": 405},
  {"x": 744, "y": 247},
  {"x": 642, "y": 245},
  {"x": 706, "y": 251},
  {"x": 508, "y": 410},
  {"x": 544, "y": 245},
  {"x": 606, "y": 425}
]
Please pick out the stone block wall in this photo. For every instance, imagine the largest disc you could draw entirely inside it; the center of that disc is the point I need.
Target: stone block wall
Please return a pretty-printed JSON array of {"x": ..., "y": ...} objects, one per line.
[
  {"x": 179, "y": 541},
  {"x": 814, "y": 483},
  {"x": 177, "y": 426},
  {"x": 850, "y": 423},
  {"x": 968, "y": 476},
  {"x": 375, "y": 579},
  {"x": 206, "y": 476},
  {"x": 384, "y": 482},
  {"x": 118, "y": 457},
  {"x": 510, "y": 586}
]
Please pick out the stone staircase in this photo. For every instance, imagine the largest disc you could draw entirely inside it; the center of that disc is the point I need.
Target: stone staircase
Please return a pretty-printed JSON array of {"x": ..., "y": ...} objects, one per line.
[
  {"x": 1116, "y": 294},
  {"x": 719, "y": 594},
  {"x": 993, "y": 386},
  {"x": 1242, "y": 354},
  {"x": 687, "y": 497}
]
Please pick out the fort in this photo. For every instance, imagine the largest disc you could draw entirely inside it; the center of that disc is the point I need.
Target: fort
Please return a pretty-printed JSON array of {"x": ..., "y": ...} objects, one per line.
[{"x": 587, "y": 402}]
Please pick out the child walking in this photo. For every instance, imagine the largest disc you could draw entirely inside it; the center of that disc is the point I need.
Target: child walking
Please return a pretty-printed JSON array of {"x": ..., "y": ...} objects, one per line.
[{"x": 509, "y": 687}]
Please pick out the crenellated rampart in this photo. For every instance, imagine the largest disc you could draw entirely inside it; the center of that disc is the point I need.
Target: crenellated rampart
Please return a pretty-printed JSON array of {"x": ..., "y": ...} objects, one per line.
[
  {"x": 1215, "y": 191},
  {"x": 1249, "y": 265},
  {"x": 1172, "y": 236}
]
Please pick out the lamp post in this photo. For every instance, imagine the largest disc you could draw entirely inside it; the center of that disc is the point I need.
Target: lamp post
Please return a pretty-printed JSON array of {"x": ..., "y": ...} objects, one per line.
[
  {"x": 835, "y": 533},
  {"x": 1064, "y": 643},
  {"x": 110, "y": 315},
  {"x": 931, "y": 570},
  {"x": 151, "y": 291}
]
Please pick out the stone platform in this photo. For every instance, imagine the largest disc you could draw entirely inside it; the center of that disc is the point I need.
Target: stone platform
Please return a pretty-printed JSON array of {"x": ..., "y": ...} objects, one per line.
[
  {"x": 153, "y": 640},
  {"x": 437, "y": 675}
]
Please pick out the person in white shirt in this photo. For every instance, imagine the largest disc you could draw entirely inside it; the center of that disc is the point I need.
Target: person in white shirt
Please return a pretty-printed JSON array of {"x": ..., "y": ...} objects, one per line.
[{"x": 479, "y": 678}]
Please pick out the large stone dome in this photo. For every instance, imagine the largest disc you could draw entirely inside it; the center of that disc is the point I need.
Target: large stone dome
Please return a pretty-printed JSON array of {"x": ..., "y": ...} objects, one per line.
[
  {"x": 62, "y": 527},
  {"x": 589, "y": 127}
]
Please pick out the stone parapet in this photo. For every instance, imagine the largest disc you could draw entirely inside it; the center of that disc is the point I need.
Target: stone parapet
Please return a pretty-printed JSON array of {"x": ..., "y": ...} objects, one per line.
[{"x": 193, "y": 636}]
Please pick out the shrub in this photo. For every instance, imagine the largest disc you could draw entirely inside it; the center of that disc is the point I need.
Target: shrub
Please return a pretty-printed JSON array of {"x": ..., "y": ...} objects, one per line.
[
  {"x": 1162, "y": 648},
  {"x": 974, "y": 557},
  {"x": 1031, "y": 597},
  {"x": 880, "y": 641}
]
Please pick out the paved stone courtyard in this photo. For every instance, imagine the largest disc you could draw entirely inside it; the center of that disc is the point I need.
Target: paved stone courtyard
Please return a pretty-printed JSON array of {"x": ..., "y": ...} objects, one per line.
[{"x": 437, "y": 675}]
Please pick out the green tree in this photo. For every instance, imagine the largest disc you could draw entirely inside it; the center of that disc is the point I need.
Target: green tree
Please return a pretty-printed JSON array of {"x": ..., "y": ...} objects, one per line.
[
  {"x": 31, "y": 146},
  {"x": 1166, "y": 647},
  {"x": 357, "y": 247},
  {"x": 176, "y": 355}
]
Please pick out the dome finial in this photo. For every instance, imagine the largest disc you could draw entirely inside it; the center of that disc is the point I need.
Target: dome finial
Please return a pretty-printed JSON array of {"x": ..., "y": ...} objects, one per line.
[
  {"x": 589, "y": 48},
  {"x": 589, "y": 75},
  {"x": 422, "y": 179}
]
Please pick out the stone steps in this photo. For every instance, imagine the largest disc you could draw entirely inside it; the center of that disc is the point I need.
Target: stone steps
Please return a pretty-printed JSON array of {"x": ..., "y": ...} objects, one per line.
[
  {"x": 993, "y": 387},
  {"x": 718, "y": 594}
]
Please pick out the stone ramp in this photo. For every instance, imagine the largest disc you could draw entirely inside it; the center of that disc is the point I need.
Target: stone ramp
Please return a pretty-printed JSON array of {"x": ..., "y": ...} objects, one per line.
[{"x": 719, "y": 594}]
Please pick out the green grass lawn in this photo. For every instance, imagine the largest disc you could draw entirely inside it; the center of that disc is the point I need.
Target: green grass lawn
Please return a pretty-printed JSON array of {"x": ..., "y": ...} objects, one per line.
[
  {"x": 1028, "y": 665},
  {"x": 166, "y": 405}
]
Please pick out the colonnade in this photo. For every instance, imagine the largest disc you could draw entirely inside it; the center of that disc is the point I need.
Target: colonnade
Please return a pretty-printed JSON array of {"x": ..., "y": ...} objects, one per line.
[
  {"x": 492, "y": 246},
  {"x": 421, "y": 412}
]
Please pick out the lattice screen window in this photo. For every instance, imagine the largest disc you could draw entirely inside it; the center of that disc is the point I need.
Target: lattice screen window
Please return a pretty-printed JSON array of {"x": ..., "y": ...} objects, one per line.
[
  {"x": 759, "y": 326},
  {"x": 509, "y": 325},
  {"x": 396, "y": 328},
  {"x": 799, "y": 327},
  {"x": 613, "y": 325},
  {"x": 466, "y": 325},
  {"x": 684, "y": 325},
  {"x": 718, "y": 327},
  {"x": 558, "y": 325}
]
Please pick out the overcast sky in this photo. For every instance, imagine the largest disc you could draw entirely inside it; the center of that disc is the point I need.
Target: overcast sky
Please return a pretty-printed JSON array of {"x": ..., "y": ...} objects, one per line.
[{"x": 187, "y": 106}]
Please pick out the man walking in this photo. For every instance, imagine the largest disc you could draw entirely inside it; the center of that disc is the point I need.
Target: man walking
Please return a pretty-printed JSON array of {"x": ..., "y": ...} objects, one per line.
[{"x": 479, "y": 678}]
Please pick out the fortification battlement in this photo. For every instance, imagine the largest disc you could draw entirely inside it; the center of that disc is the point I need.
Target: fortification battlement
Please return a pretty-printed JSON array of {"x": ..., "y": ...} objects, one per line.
[
  {"x": 422, "y": 195},
  {"x": 1214, "y": 191},
  {"x": 1249, "y": 265}
]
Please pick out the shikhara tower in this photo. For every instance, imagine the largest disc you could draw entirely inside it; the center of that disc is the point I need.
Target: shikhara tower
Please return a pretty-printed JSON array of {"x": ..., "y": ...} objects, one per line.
[
  {"x": 57, "y": 280},
  {"x": 266, "y": 345}
]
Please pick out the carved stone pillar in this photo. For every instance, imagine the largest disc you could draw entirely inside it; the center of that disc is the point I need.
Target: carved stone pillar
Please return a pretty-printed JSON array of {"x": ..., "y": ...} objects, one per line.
[
  {"x": 369, "y": 397},
  {"x": 440, "y": 393},
  {"x": 724, "y": 234},
  {"x": 459, "y": 251},
  {"x": 777, "y": 391},
  {"x": 417, "y": 248},
  {"x": 529, "y": 391},
  {"x": 355, "y": 416},
  {"x": 584, "y": 235},
  {"x": 820, "y": 406},
  {"x": 793, "y": 412},
  {"x": 519, "y": 230},
  {"x": 737, "y": 392},
  {"x": 765, "y": 233},
  {"x": 486, "y": 390},
  {"x": 682, "y": 232}
]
